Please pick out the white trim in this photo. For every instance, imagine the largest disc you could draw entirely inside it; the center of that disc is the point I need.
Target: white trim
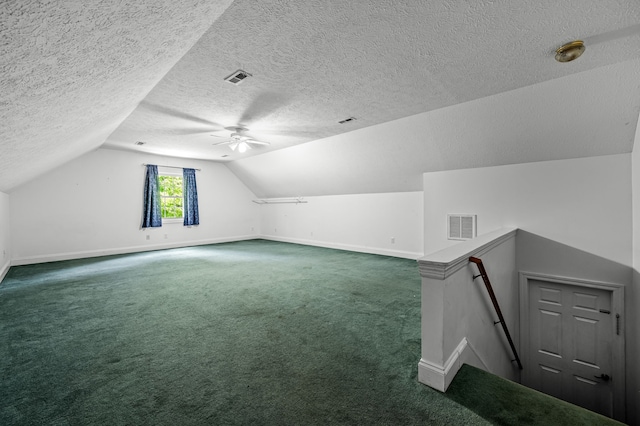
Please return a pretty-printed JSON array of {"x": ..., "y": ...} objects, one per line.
[
  {"x": 135, "y": 249},
  {"x": 437, "y": 376},
  {"x": 124, "y": 250},
  {"x": 176, "y": 173},
  {"x": 618, "y": 345},
  {"x": 4, "y": 269},
  {"x": 440, "y": 377},
  {"x": 347, "y": 247},
  {"x": 443, "y": 263},
  {"x": 172, "y": 221}
]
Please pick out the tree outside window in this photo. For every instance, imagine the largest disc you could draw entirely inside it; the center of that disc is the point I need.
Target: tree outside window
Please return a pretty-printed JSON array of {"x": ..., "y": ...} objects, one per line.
[{"x": 171, "y": 196}]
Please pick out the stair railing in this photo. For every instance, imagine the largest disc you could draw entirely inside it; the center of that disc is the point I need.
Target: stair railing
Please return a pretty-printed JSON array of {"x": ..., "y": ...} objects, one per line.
[{"x": 487, "y": 284}]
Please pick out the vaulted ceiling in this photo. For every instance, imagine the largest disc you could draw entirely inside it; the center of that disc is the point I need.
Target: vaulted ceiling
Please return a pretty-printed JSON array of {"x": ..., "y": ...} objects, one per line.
[{"x": 432, "y": 86}]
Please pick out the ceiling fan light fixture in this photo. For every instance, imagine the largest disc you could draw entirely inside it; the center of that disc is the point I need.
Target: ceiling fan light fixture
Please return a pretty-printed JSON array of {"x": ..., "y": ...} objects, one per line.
[
  {"x": 238, "y": 141},
  {"x": 243, "y": 147},
  {"x": 570, "y": 51}
]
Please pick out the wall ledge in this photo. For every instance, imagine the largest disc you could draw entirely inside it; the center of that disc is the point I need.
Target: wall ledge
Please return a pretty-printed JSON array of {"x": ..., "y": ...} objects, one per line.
[{"x": 443, "y": 263}]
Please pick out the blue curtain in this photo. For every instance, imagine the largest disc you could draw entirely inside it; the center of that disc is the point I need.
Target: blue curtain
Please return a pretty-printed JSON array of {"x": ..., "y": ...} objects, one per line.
[
  {"x": 151, "y": 217},
  {"x": 190, "y": 193}
]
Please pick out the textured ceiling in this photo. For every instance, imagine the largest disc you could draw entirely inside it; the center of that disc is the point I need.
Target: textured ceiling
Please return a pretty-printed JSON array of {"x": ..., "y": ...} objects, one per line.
[
  {"x": 592, "y": 113},
  {"x": 153, "y": 71},
  {"x": 71, "y": 71}
]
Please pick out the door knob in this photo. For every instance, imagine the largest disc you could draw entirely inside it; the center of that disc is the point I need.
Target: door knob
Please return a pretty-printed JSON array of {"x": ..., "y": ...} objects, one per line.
[{"x": 604, "y": 377}]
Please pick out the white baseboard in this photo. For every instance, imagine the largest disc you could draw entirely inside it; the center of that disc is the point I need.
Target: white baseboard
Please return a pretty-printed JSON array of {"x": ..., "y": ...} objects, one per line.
[
  {"x": 4, "y": 269},
  {"x": 28, "y": 260},
  {"x": 124, "y": 250},
  {"x": 347, "y": 247},
  {"x": 440, "y": 377}
]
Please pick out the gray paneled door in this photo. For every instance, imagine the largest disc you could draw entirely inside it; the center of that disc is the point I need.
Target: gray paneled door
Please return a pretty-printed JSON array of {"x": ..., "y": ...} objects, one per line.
[{"x": 570, "y": 344}]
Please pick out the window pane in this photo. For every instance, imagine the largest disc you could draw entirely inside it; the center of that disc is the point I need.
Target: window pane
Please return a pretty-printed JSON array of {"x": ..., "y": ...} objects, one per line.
[
  {"x": 171, "y": 186},
  {"x": 171, "y": 207},
  {"x": 171, "y": 196}
]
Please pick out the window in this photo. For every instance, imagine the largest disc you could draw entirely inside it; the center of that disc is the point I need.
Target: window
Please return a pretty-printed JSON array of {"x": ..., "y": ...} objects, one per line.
[{"x": 170, "y": 196}]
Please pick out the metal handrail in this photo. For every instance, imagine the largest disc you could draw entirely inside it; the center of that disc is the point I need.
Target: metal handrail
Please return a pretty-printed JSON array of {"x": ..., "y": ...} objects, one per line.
[{"x": 487, "y": 284}]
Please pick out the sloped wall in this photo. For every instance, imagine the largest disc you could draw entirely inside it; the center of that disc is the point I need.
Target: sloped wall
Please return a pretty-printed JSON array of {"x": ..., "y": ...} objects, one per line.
[
  {"x": 93, "y": 206},
  {"x": 533, "y": 123}
]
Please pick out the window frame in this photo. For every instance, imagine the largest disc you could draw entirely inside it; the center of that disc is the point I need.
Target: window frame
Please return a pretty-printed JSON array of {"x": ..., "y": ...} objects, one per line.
[{"x": 177, "y": 174}]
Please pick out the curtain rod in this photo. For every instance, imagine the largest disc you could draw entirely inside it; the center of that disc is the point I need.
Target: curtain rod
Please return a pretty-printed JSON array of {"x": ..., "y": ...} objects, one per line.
[
  {"x": 171, "y": 167},
  {"x": 297, "y": 200}
]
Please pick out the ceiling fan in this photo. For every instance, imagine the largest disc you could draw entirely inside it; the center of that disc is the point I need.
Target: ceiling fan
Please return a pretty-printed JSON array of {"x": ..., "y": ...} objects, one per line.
[{"x": 238, "y": 140}]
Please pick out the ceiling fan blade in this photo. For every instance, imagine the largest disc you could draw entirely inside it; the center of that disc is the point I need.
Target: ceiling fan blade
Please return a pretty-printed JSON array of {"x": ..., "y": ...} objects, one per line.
[
  {"x": 263, "y": 105},
  {"x": 227, "y": 142},
  {"x": 265, "y": 133},
  {"x": 177, "y": 113},
  {"x": 188, "y": 131},
  {"x": 255, "y": 142},
  {"x": 234, "y": 145}
]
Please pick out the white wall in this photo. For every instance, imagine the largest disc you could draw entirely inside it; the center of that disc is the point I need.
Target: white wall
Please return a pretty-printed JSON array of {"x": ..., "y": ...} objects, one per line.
[
  {"x": 575, "y": 220},
  {"x": 583, "y": 203},
  {"x": 470, "y": 312},
  {"x": 93, "y": 206},
  {"x": 363, "y": 222},
  {"x": 5, "y": 245},
  {"x": 457, "y": 312},
  {"x": 633, "y": 296}
]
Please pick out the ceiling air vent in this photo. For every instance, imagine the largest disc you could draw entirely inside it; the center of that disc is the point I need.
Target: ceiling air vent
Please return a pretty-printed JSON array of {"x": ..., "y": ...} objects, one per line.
[
  {"x": 461, "y": 226},
  {"x": 140, "y": 143},
  {"x": 237, "y": 77},
  {"x": 347, "y": 120}
]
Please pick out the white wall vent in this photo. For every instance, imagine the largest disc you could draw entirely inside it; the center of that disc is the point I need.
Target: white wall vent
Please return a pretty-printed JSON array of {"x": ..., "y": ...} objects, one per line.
[
  {"x": 237, "y": 77},
  {"x": 461, "y": 226}
]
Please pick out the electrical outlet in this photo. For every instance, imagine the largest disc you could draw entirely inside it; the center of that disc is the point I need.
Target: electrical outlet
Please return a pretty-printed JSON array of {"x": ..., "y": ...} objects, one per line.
[
  {"x": 148, "y": 237},
  {"x": 252, "y": 229},
  {"x": 393, "y": 240},
  {"x": 165, "y": 236}
]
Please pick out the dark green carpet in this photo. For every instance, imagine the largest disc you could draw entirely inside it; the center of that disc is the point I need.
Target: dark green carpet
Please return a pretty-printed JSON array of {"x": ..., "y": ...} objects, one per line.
[
  {"x": 252, "y": 332},
  {"x": 508, "y": 403}
]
